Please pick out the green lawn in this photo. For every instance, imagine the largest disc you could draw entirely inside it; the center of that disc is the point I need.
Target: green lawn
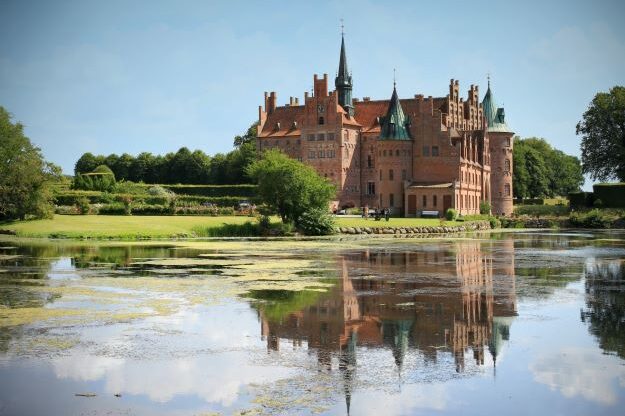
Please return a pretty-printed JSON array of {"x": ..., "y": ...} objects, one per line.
[
  {"x": 113, "y": 226},
  {"x": 133, "y": 227},
  {"x": 393, "y": 222}
]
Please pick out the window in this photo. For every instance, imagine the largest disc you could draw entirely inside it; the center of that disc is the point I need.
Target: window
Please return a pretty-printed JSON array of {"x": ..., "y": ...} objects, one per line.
[
  {"x": 397, "y": 152},
  {"x": 506, "y": 189},
  {"x": 330, "y": 136},
  {"x": 311, "y": 154},
  {"x": 425, "y": 201},
  {"x": 381, "y": 200},
  {"x": 369, "y": 161},
  {"x": 321, "y": 120},
  {"x": 322, "y": 154},
  {"x": 391, "y": 200},
  {"x": 321, "y": 137},
  {"x": 426, "y": 151},
  {"x": 384, "y": 152},
  {"x": 403, "y": 174},
  {"x": 391, "y": 175},
  {"x": 434, "y": 200},
  {"x": 507, "y": 165},
  {"x": 311, "y": 137},
  {"x": 370, "y": 188},
  {"x": 299, "y": 142},
  {"x": 288, "y": 142},
  {"x": 434, "y": 150},
  {"x": 508, "y": 142},
  {"x": 330, "y": 153},
  {"x": 380, "y": 174}
]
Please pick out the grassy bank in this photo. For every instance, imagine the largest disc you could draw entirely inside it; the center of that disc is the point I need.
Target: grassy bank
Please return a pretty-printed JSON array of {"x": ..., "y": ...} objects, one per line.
[
  {"x": 121, "y": 227},
  {"x": 137, "y": 227}
]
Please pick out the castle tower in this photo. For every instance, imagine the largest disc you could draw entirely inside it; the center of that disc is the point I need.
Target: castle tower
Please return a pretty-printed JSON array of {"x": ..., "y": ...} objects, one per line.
[
  {"x": 501, "y": 143},
  {"x": 394, "y": 146},
  {"x": 343, "y": 82}
]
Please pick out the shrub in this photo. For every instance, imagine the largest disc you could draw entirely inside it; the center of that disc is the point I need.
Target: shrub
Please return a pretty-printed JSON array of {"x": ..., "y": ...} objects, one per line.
[
  {"x": 112, "y": 209},
  {"x": 82, "y": 204},
  {"x": 101, "y": 179},
  {"x": 541, "y": 210},
  {"x": 507, "y": 222},
  {"x": 592, "y": 219},
  {"x": 494, "y": 222},
  {"x": 597, "y": 203},
  {"x": 150, "y": 210},
  {"x": 484, "y": 208},
  {"x": 238, "y": 191},
  {"x": 316, "y": 222},
  {"x": 451, "y": 214}
]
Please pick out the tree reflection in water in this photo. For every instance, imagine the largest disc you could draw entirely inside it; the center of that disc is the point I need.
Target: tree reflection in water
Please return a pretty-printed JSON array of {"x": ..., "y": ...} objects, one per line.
[{"x": 605, "y": 304}]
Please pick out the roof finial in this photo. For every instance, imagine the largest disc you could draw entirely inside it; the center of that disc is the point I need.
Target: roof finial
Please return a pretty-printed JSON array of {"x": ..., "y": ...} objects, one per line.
[
  {"x": 342, "y": 27},
  {"x": 488, "y": 78},
  {"x": 394, "y": 83}
]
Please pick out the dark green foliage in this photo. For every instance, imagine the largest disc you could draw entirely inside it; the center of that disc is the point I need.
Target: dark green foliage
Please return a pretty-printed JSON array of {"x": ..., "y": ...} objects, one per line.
[
  {"x": 612, "y": 195},
  {"x": 150, "y": 210},
  {"x": 507, "y": 222},
  {"x": 484, "y": 208},
  {"x": 316, "y": 222},
  {"x": 539, "y": 170},
  {"x": 603, "y": 136},
  {"x": 289, "y": 187},
  {"x": 579, "y": 200},
  {"x": 25, "y": 177},
  {"x": 494, "y": 222},
  {"x": 183, "y": 167},
  {"x": 541, "y": 210},
  {"x": 82, "y": 204},
  {"x": 101, "y": 179},
  {"x": 112, "y": 209},
  {"x": 591, "y": 219},
  {"x": 451, "y": 214},
  {"x": 239, "y": 191},
  {"x": 530, "y": 201}
]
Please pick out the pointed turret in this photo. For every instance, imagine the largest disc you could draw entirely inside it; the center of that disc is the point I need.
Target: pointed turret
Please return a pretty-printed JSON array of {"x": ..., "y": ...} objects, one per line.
[
  {"x": 394, "y": 125},
  {"x": 343, "y": 81},
  {"x": 495, "y": 116}
]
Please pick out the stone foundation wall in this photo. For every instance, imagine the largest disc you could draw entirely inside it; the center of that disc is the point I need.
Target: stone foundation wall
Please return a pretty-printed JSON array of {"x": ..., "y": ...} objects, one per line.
[{"x": 442, "y": 229}]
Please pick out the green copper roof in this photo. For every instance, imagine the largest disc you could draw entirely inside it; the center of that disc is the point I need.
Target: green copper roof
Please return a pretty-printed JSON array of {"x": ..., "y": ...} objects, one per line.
[
  {"x": 343, "y": 82},
  {"x": 394, "y": 125},
  {"x": 495, "y": 117}
]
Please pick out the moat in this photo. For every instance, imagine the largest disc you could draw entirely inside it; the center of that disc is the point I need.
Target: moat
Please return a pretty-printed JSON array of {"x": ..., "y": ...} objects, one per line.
[{"x": 514, "y": 323}]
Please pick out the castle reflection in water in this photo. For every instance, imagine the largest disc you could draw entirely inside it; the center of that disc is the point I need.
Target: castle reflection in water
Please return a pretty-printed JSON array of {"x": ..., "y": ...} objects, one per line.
[{"x": 436, "y": 300}]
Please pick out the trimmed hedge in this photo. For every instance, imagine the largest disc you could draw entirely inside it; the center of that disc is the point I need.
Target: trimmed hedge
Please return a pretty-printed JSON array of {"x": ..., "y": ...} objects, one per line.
[
  {"x": 240, "y": 191},
  {"x": 529, "y": 201},
  {"x": 579, "y": 200},
  {"x": 541, "y": 210},
  {"x": 69, "y": 198},
  {"x": 612, "y": 195}
]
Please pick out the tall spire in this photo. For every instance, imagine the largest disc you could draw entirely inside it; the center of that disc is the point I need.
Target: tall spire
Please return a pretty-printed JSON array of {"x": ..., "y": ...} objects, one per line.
[
  {"x": 394, "y": 125},
  {"x": 343, "y": 81}
]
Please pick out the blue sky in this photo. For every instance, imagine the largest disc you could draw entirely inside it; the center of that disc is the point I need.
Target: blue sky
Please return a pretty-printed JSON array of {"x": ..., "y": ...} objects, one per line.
[{"x": 132, "y": 76}]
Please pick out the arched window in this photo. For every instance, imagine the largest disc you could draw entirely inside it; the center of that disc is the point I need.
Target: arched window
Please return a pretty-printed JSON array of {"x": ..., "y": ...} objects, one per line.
[
  {"x": 321, "y": 120},
  {"x": 506, "y": 189},
  {"x": 507, "y": 165}
]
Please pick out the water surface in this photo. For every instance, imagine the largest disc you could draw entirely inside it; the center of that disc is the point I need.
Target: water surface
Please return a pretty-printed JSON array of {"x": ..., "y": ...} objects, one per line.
[{"x": 500, "y": 323}]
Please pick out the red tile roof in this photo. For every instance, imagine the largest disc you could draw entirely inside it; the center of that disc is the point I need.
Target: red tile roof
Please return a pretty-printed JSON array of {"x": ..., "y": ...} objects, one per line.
[{"x": 285, "y": 116}]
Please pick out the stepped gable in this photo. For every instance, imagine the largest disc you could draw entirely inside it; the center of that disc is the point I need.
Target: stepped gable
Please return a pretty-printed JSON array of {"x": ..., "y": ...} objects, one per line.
[{"x": 280, "y": 122}]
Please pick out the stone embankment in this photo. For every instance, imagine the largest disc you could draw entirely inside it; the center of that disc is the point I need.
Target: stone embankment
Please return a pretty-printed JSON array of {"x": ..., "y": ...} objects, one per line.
[{"x": 442, "y": 229}]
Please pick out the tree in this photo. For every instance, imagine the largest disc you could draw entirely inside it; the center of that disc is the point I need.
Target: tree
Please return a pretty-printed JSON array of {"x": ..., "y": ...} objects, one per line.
[
  {"x": 248, "y": 137},
  {"x": 87, "y": 163},
  {"x": 101, "y": 179},
  {"x": 24, "y": 174},
  {"x": 542, "y": 171},
  {"x": 603, "y": 136},
  {"x": 289, "y": 187}
]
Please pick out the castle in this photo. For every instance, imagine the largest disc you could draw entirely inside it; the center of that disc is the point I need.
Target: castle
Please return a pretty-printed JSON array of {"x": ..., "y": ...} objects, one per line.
[{"x": 414, "y": 156}]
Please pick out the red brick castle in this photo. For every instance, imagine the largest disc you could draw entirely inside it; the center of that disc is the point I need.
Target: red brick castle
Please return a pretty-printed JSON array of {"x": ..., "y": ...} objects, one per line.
[{"x": 408, "y": 155}]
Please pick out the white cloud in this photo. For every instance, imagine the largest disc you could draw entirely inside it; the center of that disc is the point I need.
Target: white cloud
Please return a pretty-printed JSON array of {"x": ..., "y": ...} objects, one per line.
[{"x": 580, "y": 372}]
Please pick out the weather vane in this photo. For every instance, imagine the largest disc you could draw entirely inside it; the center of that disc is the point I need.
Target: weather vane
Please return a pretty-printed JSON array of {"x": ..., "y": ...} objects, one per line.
[
  {"x": 488, "y": 78},
  {"x": 394, "y": 78},
  {"x": 342, "y": 27}
]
